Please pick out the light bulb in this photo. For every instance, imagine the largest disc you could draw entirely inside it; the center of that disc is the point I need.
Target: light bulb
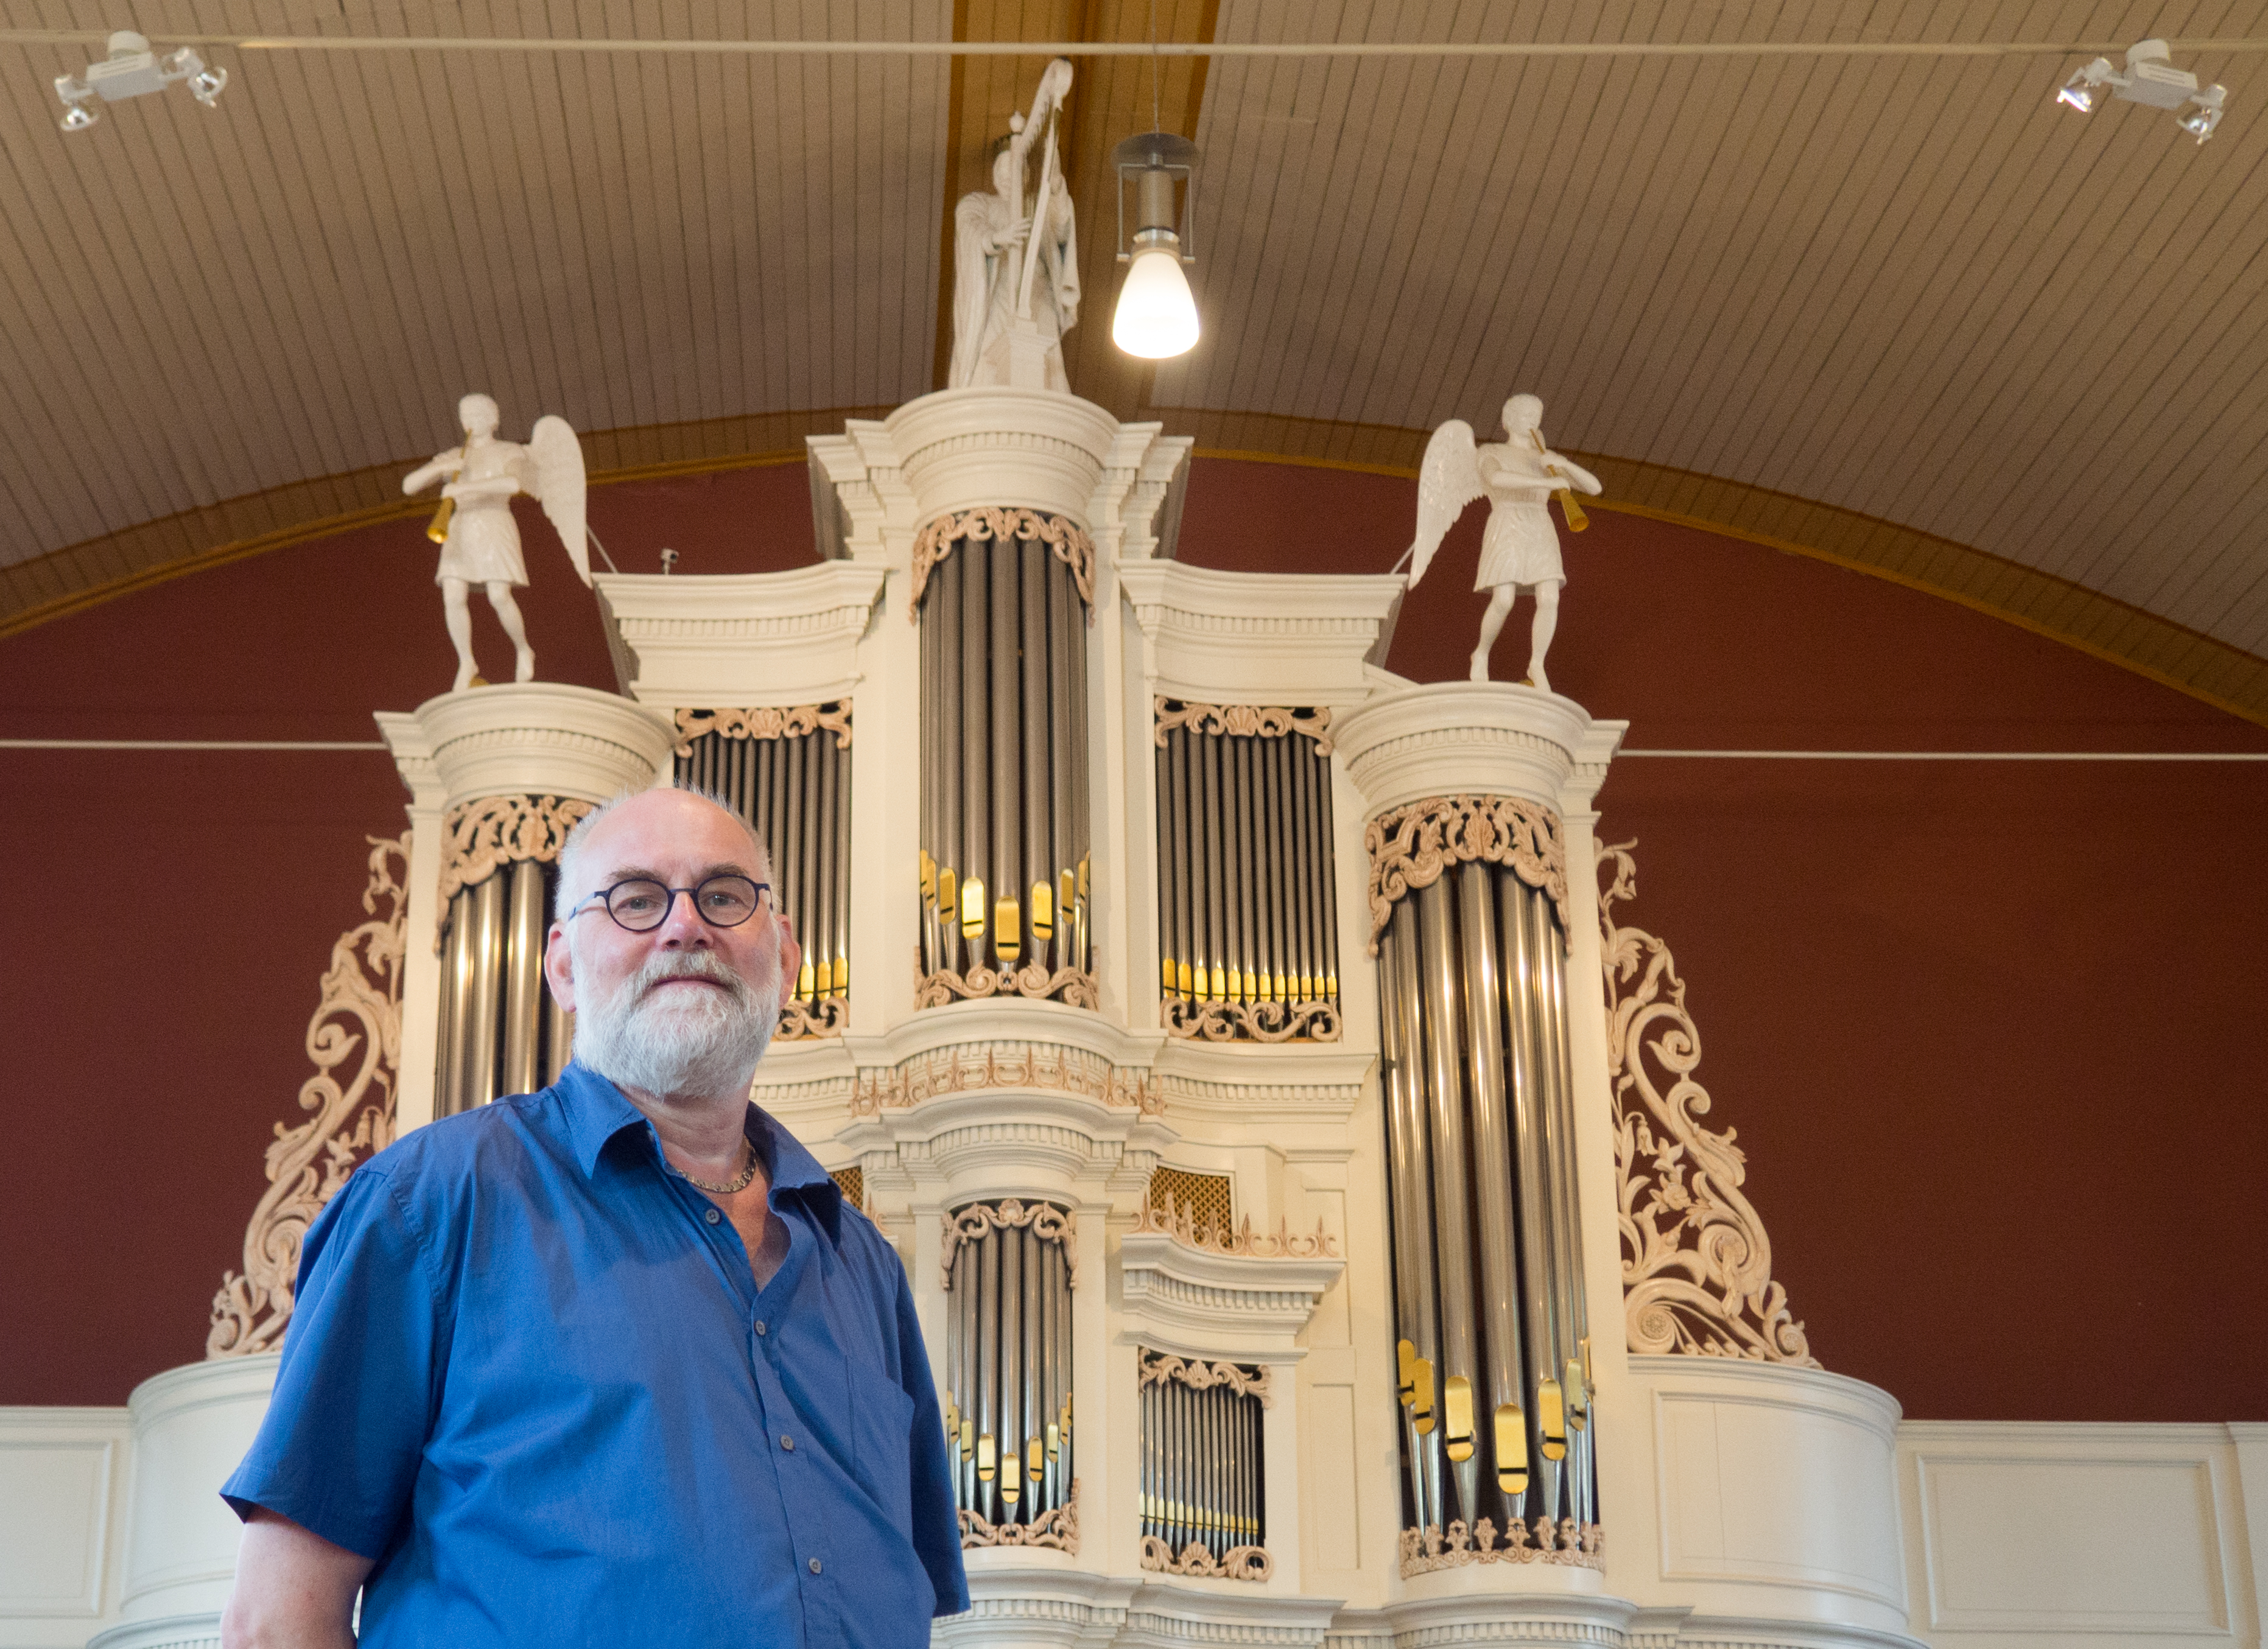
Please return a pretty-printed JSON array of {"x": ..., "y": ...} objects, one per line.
[
  {"x": 205, "y": 85},
  {"x": 79, "y": 117},
  {"x": 2077, "y": 95},
  {"x": 1157, "y": 317}
]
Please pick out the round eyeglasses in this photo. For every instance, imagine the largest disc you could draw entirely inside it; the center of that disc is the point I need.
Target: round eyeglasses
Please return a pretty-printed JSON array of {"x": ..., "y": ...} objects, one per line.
[{"x": 641, "y": 904}]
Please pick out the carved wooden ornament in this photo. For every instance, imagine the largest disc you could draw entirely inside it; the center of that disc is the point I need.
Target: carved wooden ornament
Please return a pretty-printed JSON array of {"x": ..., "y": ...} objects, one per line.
[
  {"x": 1409, "y": 847},
  {"x": 1250, "y": 721},
  {"x": 793, "y": 721},
  {"x": 1069, "y": 543}
]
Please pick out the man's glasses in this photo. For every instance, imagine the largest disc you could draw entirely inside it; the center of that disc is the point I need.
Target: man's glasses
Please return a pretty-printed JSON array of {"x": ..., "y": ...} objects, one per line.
[{"x": 641, "y": 904}]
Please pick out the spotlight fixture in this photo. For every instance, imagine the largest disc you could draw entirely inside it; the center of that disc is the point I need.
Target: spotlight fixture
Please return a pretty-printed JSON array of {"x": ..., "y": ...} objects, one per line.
[
  {"x": 2150, "y": 79},
  {"x": 1156, "y": 318},
  {"x": 132, "y": 71}
]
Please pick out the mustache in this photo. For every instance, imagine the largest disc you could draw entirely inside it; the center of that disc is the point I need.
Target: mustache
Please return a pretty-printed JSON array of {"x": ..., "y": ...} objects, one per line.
[{"x": 665, "y": 965}]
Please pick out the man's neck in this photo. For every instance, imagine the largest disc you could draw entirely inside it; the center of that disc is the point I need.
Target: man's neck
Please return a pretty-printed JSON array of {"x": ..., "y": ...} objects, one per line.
[{"x": 701, "y": 1134}]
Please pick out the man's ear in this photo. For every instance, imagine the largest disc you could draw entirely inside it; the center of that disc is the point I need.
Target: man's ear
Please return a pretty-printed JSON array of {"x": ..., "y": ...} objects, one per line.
[{"x": 559, "y": 967}]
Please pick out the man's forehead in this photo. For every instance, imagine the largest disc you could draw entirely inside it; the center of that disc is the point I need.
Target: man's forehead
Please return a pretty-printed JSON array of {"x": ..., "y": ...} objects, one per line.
[{"x": 674, "y": 825}]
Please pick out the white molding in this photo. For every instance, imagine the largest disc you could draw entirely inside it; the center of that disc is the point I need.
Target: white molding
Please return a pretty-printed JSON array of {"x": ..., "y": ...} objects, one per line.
[
  {"x": 1219, "y": 637},
  {"x": 1230, "y": 1307},
  {"x": 63, "y": 1492},
  {"x": 543, "y": 739},
  {"x": 773, "y": 638},
  {"x": 1486, "y": 738},
  {"x": 962, "y": 448}
]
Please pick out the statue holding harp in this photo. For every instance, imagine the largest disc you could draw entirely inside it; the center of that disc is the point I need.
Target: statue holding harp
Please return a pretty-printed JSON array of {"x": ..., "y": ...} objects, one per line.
[{"x": 1015, "y": 258}]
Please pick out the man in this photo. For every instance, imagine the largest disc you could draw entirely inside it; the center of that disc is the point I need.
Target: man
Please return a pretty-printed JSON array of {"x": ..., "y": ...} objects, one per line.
[{"x": 608, "y": 1364}]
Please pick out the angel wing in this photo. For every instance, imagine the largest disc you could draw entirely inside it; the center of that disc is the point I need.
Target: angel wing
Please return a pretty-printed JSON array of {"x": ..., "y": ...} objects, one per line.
[
  {"x": 1447, "y": 480},
  {"x": 559, "y": 487}
]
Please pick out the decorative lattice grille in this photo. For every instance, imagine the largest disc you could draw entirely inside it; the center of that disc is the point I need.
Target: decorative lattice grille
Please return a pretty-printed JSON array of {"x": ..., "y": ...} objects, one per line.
[
  {"x": 852, "y": 1183},
  {"x": 1209, "y": 1197}
]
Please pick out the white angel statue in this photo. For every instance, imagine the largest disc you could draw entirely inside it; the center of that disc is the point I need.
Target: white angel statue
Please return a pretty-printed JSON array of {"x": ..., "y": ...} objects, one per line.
[
  {"x": 1015, "y": 258},
  {"x": 1521, "y": 548},
  {"x": 479, "y": 540}
]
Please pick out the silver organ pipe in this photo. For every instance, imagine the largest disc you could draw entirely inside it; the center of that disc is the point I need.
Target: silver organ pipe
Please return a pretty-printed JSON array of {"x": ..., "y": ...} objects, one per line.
[
  {"x": 1202, "y": 1460},
  {"x": 1244, "y": 891},
  {"x": 1488, "y": 1278},
  {"x": 1004, "y": 859},
  {"x": 1008, "y": 1361}
]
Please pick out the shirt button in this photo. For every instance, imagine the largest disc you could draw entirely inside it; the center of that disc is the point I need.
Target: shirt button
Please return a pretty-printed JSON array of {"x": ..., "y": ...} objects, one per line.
[
  {"x": 814, "y": 1565},
  {"x": 712, "y": 1216},
  {"x": 788, "y": 1443}
]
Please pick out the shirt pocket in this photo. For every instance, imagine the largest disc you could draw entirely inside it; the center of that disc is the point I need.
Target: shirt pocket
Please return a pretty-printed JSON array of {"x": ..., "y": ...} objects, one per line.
[{"x": 881, "y": 1440}]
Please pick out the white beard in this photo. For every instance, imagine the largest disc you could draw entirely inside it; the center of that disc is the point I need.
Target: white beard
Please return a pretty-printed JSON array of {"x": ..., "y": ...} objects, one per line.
[{"x": 709, "y": 1043}]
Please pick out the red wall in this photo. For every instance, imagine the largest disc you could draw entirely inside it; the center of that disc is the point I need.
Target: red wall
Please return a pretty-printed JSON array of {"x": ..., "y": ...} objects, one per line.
[{"x": 1983, "y": 1028}]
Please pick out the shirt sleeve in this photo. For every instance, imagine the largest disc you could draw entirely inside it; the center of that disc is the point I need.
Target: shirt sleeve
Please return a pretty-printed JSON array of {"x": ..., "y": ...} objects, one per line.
[
  {"x": 339, "y": 1450},
  {"x": 936, "y": 1525}
]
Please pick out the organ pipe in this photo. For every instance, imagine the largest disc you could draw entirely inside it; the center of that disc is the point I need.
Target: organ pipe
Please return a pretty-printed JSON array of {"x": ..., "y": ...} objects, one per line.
[
  {"x": 1008, "y": 1354},
  {"x": 1488, "y": 1285}
]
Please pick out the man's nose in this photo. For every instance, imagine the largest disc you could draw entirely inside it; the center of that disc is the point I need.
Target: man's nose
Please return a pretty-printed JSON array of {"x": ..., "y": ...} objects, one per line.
[{"x": 681, "y": 923}]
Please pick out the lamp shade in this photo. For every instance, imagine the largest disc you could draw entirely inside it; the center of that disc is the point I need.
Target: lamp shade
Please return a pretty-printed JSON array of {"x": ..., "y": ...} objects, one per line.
[{"x": 1157, "y": 317}]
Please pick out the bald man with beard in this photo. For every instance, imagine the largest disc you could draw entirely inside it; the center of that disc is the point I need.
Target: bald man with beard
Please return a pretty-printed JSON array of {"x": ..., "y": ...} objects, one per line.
[{"x": 610, "y": 1363}]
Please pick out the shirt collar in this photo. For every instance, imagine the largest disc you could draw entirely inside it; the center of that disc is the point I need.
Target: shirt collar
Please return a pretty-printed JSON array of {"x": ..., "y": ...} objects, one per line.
[{"x": 596, "y": 1111}]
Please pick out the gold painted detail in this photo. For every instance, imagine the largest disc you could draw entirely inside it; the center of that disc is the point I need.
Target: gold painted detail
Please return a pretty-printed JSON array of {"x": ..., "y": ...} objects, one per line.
[
  {"x": 1077, "y": 986},
  {"x": 1565, "y": 1542},
  {"x": 1066, "y": 539},
  {"x": 1266, "y": 1021},
  {"x": 1179, "y": 1223},
  {"x": 1255, "y": 1381},
  {"x": 803, "y": 1020},
  {"x": 1245, "y": 721},
  {"x": 766, "y": 721},
  {"x": 359, "y": 1017},
  {"x": 1057, "y": 1529},
  {"x": 1409, "y": 847},
  {"x": 1048, "y": 1223},
  {"x": 1697, "y": 1265},
  {"x": 1068, "y": 1070},
  {"x": 1238, "y": 1562},
  {"x": 498, "y": 831}
]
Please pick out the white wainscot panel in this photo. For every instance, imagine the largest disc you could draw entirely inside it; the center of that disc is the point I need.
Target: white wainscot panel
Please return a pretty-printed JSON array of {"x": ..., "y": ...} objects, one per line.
[
  {"x": 61, "y": 1471},
  {"x": 2047, "y": 1534},
  {"x": 1777, "y": 1477}
]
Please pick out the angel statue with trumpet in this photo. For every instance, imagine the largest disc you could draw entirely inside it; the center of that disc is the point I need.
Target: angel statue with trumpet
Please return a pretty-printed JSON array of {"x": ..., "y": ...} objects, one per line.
[
  {"x": 479, "y": 540},
  {"x": 1520, "y": 549}
]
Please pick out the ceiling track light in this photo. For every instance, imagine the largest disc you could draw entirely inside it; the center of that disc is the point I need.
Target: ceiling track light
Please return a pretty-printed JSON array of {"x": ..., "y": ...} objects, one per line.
[
  {"x": 2151, "y": 79},
  {"x": 132, "y": 69},
  {"x": 1157, "y": 317}
]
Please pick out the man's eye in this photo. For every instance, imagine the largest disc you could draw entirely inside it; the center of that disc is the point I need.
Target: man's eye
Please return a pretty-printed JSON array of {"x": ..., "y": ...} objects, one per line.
[{"x": 635, "y": 904}]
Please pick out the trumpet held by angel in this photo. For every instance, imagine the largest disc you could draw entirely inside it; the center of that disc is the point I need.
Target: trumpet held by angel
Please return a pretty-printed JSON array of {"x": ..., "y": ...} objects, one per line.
[
  {"x": 1520, "y": 549},
  {"x": 480, "y": 540}
]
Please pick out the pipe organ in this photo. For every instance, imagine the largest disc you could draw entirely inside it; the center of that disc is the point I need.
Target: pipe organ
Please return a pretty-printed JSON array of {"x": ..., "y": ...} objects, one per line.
[
  {"x": 1245, "y": 910},
  {"x": 1009, "y": 1269},
  {"x": 788, "y": 771},
  {"x": 1255, "y": 1298},
  {"x": 1005, "y": 869}
]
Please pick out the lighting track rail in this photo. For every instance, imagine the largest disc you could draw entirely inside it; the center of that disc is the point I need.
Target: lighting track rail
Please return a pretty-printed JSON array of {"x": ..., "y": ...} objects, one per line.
[{"x": 1470, "y": 49}]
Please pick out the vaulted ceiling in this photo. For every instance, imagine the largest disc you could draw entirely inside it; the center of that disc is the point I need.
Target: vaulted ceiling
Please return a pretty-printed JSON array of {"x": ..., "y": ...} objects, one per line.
[{"x": 1899, "y": 311}]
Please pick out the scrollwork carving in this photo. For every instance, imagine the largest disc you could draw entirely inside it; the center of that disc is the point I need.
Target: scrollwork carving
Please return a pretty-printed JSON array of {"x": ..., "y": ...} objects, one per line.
[
  {"x": 1697, "y": 1265},
  {"x": 803, "y": 1021},
  {"x": 1409, "y": 847},
  {"x": 1214, "y": 1020},
  {"x": 1157, "y": 1367},
  {"x": 1066, "y": 540},
  {"x": 1048, "y": 1223},
  {"x": 1079, "y": 987},
  {"x": 1057, "y": 1529},
  {"x": 360, "y": 1012},
  {"x": 1259, "y": 721},
  {"x": 1238, "y": 1562},
  {"x": 927, "y": 1076},
  {"x": 498, "y": 831},
  {"x": 1171, "y": 1219},
  {"x": 1565, "y": 1542},
  {"x": 791, "y": 721}
]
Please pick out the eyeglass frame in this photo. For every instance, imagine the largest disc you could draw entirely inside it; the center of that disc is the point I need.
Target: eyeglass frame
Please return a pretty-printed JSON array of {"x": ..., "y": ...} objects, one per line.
[{"x": 605, "y": 897}]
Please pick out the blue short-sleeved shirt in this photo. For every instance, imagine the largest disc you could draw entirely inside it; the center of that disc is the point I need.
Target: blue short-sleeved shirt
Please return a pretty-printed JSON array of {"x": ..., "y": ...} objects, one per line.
[{"x": 530, "y": 1374}]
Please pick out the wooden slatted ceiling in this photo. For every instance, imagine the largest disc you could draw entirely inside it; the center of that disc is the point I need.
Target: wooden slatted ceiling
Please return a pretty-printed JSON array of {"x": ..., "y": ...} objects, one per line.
[
  {"x": 212, "y": 305},
  {"x": 1909, "y": 288}
]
